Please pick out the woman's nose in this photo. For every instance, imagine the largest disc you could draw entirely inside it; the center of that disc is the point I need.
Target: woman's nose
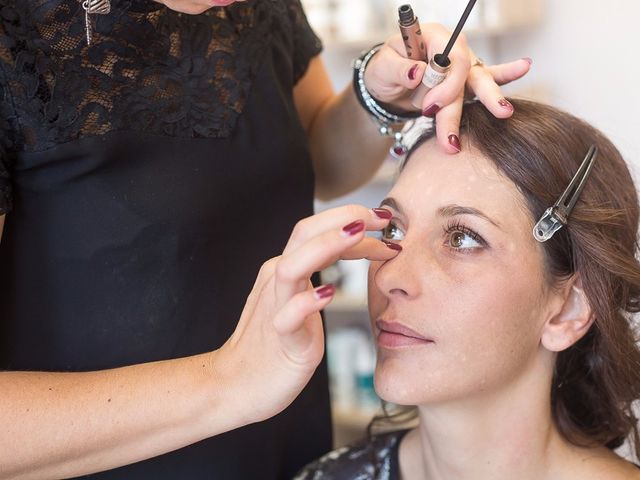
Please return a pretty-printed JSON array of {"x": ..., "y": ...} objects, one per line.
[{"x": 397, "y": 277}]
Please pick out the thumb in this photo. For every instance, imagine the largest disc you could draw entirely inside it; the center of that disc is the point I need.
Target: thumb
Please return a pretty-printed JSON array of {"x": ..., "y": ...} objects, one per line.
[
  {"x": 299, "y": 326},
  {"x": 388, "y": 74}
]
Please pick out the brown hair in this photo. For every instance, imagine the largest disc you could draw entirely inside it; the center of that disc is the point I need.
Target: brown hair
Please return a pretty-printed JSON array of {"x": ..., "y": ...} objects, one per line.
[{"x": 539, "y": 149}]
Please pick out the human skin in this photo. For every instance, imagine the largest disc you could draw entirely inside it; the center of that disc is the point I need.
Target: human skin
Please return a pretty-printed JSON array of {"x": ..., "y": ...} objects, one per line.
[
  {"x": 114, "y": 405},
  {"x": 345, "y": 145},
  {"x": 482, "y": 304},
  {"x": 473, "y": 287}
]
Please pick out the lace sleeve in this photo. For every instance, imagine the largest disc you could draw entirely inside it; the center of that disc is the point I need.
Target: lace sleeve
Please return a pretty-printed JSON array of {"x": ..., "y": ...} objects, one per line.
[
  {"x": 306, "y": 43},
  {"x": 6, "y": 115}
]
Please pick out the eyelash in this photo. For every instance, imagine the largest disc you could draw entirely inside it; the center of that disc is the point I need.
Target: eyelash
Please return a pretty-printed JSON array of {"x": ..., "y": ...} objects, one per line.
[
  {"x": 457, "y": 226},
  {"x": 451, "y": 227}
]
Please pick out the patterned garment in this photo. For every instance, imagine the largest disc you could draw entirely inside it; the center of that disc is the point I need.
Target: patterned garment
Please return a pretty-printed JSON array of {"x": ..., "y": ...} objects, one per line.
[
  {"x": 146, "y": 178},
  {"x": 376, "y": 459}
]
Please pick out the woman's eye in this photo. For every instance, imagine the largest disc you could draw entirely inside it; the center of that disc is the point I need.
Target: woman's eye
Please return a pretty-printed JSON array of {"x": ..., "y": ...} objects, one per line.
[
  {"x": 392, "y": 233},
  {"x": 462, "y": 240}
]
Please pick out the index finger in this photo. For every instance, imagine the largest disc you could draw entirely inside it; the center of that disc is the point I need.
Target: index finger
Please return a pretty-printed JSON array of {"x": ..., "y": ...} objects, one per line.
[
  {"x": 335, "y": 218},
  {"x": 296, "y": 267},
  {"x": 454, "y": 83}
]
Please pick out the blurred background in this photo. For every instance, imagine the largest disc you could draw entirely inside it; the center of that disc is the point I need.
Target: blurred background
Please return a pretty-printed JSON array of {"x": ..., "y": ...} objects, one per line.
[{"x": 584, "y": 61}]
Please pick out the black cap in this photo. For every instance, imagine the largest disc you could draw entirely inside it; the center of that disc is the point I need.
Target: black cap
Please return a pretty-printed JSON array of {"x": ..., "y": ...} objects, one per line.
[{"x": 405, "y": 13}]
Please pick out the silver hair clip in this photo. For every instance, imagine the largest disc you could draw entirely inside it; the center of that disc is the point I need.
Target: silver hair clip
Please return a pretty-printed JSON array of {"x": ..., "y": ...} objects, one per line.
[{"x": 554, "y": 218}]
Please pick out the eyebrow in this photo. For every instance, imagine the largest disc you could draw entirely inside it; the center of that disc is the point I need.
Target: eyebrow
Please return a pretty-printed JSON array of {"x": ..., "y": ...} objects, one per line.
[
  {"x": 453, "y": 210},
  {"x": 446, "y": 211},
  {"x": 391, "y": 202}
]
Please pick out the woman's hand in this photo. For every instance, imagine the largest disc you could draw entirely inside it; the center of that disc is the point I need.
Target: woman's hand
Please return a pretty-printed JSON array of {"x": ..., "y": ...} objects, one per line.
[
  {"x": 279, "y": 340},
  {"x": 391, "y": 77}
]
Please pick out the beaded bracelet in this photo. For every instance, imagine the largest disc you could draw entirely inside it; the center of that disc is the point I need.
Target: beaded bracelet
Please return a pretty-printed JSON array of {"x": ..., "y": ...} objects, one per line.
[{"x": 378, "y": 110}]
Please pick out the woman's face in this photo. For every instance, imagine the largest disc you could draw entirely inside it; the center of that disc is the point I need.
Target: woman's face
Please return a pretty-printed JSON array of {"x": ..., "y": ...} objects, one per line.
[{"x": 460, "y": 310}]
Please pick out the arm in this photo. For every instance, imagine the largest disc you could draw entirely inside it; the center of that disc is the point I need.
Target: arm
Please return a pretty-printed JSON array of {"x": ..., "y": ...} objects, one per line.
[
  {"x": 61, "y": 425},
  {"x": 346, "y": 147}
]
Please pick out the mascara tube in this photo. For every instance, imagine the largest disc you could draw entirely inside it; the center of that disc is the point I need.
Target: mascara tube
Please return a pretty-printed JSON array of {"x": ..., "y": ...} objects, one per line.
[
  {"x": 435, "y": 74},
  {"x": 439, "y": 65},
  {"x": 411, "y": 33}
]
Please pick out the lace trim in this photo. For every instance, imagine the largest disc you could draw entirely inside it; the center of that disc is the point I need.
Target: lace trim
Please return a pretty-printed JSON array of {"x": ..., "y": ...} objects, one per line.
[{"x": 149, "y": 69}]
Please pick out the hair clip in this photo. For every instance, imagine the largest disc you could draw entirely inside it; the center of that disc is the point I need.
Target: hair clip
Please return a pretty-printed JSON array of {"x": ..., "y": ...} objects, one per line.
[{"x": 554, "y": 218}]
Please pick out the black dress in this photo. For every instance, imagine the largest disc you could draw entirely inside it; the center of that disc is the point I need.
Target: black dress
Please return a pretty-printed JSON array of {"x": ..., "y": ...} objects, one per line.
[{"x": 146, "y": 178}]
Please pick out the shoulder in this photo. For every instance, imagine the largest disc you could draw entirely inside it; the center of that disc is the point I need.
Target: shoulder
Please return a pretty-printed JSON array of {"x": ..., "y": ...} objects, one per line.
[
  {"x": 372, "y": 459},
  {"x": 604, "y": 464}
]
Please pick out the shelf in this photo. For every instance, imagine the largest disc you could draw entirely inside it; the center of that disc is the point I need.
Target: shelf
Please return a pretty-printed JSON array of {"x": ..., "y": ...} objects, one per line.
[
  {"x": 354, "y": 417},
  {"x": 343, "y": 303},
  {"x": 350, "y": 424}
]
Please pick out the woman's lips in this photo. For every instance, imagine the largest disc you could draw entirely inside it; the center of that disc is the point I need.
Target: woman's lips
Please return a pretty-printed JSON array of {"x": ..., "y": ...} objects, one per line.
[{"x": 393, "y": 334}]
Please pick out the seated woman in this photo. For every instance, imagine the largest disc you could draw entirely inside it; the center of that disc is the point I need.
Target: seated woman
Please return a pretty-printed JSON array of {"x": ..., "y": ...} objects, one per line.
[{"x": 519, "y": 354}]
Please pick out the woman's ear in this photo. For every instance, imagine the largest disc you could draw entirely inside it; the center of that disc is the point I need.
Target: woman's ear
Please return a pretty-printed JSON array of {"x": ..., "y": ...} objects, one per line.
[{"x": 572, "y": 321}]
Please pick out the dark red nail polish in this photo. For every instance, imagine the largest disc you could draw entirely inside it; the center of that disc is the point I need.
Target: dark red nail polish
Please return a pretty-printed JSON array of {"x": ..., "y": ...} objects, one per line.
[
  {"x": 353, "y": 227},
  {"x": 504, "y": 103},
  {"x": 325, "y": 291},
  {"x": 528, "y": 60},
  {"x": 393, "y": 246},
  {"x": 382, "y": 213},
  {"x": 431, "y": 110},
  {"x": 412, "y": 72},
  {"x": 454, "y": 141}
]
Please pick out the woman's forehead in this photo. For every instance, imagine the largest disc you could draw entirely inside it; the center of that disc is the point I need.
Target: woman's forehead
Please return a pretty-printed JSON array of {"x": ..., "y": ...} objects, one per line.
[{"x": 433, "y": 178}]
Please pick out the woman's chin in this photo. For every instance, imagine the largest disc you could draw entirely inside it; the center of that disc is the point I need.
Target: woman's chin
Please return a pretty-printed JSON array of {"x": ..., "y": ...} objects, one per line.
[{"x": 394, "y": 390}]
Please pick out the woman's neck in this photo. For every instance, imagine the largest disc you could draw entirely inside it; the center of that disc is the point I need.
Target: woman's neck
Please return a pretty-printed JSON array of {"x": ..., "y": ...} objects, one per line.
[{"x": 499, "y": 436}]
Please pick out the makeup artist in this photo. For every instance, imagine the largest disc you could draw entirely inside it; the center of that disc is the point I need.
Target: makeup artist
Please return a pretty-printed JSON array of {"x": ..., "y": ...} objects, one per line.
[{"x": 150, "y": 162}]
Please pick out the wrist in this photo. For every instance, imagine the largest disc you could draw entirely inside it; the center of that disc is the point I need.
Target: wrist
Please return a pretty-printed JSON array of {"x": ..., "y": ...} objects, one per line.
[
  {"x": 237, "y": 388},
  {"x": 389, "y": 119},
  {"x": 227, "y": 405}
]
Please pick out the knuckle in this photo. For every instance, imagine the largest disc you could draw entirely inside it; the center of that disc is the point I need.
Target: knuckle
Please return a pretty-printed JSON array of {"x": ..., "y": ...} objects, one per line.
[
  {"x": 302, "y": 302},
  {"x": 269, "y": 266},
  {"x": 283, "y": 271},
  {"x": 299, "y": 229},
  {"x": 267, "y": 270}
]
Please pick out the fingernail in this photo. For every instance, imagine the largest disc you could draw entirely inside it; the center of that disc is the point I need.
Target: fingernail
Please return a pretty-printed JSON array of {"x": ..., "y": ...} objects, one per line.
[
  {"x": 353, "y": 227},
  {"x": 431, "y": 110},
  {"x": 412, "y": 72},
  {"x": 504, "y": 103},
  {"x": 454, "y": 141},
  {"x": 382, "y": 213},
  {"x": 526, "y": 59},
  {"x": 393, "y": 246},
  {"x": 325, "y": 291}
]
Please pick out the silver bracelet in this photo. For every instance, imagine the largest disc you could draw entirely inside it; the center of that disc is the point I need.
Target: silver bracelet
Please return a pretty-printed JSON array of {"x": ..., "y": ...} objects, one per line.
[{"x": 379, "y": 111}]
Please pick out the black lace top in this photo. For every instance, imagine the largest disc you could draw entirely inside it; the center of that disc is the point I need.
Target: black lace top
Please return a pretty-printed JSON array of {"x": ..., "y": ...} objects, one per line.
[
  {"x": 146, "y": 178},
  {"x": 374, "y": 459}
]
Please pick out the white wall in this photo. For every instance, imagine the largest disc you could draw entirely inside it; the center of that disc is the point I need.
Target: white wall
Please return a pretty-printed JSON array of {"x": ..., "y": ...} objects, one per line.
[{"x": 586, "y": 53}]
